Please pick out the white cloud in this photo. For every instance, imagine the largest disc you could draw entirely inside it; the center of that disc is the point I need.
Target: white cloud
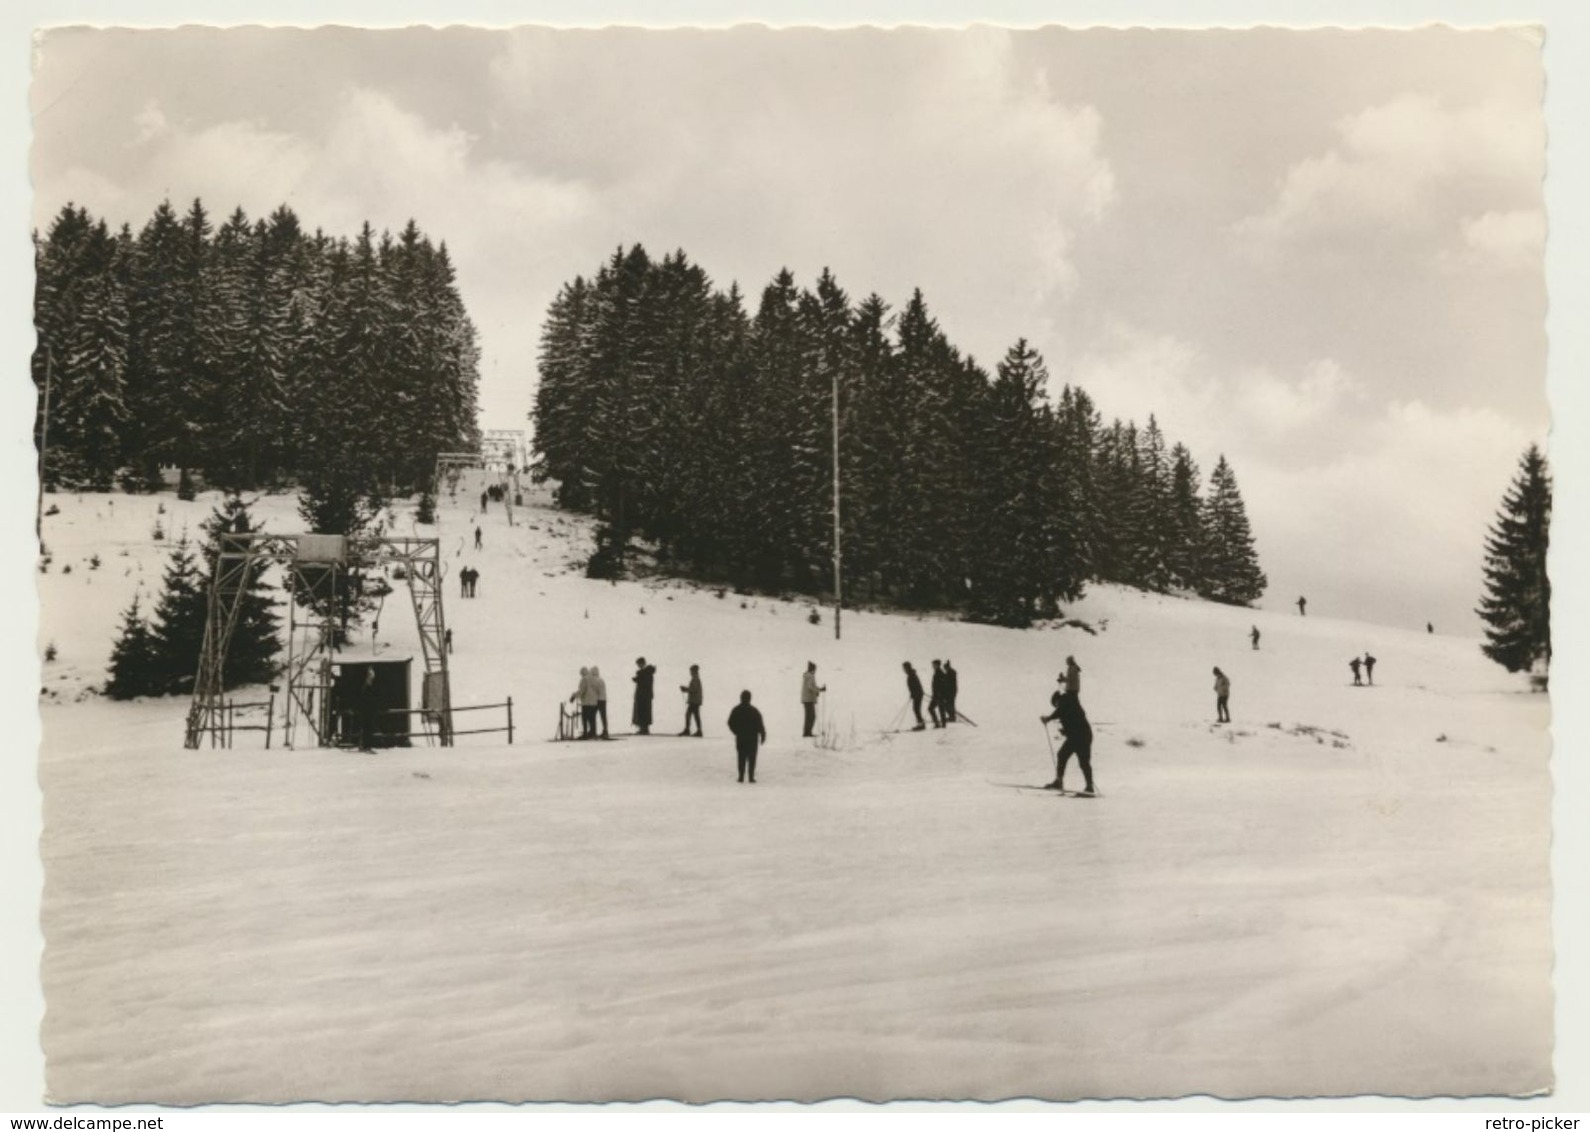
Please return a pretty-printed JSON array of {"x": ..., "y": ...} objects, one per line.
[
  {"x": 1407, "y": 167},
  {"x": 1511, "y": 239}
]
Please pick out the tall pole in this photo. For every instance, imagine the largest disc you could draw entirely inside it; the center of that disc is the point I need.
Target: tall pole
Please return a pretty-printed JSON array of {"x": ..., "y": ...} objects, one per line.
[
  {"x": 44, "y": 444},
  {"x": 839, "y": 599}
]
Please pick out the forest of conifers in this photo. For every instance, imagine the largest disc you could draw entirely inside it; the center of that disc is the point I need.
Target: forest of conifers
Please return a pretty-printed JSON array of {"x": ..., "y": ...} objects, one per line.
[
  {"x": 674, "y": 416},
  {"x": 253, "y": 352}
]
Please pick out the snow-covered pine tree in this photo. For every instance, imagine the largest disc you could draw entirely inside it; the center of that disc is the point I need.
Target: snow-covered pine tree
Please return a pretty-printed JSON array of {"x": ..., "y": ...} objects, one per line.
[
  {"x": 251, "y": 653},
  {"x": 1233, "y": 575},
  {"x": 1516, "y": 605},
  {"x": 1151, "y": 501},
  {"x": 871, "y": 439},
  {"x": 134, "y": 670}
]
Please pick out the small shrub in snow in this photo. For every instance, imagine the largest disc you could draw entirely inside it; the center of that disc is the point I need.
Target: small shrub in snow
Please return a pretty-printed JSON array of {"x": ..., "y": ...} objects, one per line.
[
  {"x": 159, "y": 533},
  {"x": 814, "y": 617},
  {"x": 67, "y": 569},
  {"x": 52, "y": 509},
  {"x": 93, "y": 562},
  {"x": 1134, "y": 741},
  {"x": 49, "y": 652}
]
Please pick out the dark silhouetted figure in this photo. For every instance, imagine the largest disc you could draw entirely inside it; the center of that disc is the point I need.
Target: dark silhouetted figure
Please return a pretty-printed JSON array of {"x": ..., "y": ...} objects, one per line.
[
  {"x": 485, "y": 495},
  {"x": 1255, "y": 636},
  {"x": 367, "y": 709},
  {"x": 477, "y": 536},
  {"x": 1429, "y": 626},
  {"x": 913, "y": 688},
  {"x": 1072, "y": 676},
  {"x": 810, "y": 690},
  {"x": 936, "y": 696},
  {"x": 447, "y": 641},
  {"x": 599, "y": 689},
  {"x": 1369, "y": 667},
  {"x": 745, "y": 723},
  {"x": 644, "y": 676},
  {"x": 952, "y": 688},
  {"x": 1357, "y": 675},
  {"x": 1078, "y": 738},
  {"x": 692, "y": 693},
  {"x": 1222, "y": 694},
  {"x": 1302, "y": 607}
]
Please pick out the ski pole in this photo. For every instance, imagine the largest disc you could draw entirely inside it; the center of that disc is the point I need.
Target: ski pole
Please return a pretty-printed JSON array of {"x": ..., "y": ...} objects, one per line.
[
  {"x": 1052, "y": 756},
  {"x": 962, "y": 717},
  {"x": 899, "y": 715}
]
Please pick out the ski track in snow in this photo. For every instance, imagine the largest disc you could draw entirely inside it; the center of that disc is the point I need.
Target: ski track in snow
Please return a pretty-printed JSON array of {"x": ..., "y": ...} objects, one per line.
[{"x": 1250, "y": 909}]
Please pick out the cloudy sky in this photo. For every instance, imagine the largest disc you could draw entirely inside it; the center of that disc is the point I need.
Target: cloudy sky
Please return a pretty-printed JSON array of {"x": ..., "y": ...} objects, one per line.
[{"x": 1319, "y": 253}]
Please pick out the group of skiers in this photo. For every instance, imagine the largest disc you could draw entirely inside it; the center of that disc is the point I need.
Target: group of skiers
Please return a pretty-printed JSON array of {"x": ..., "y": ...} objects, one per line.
[
  {"x": 468, "y": 578},
  {"x": 945, "y": 686},
  {"x": 1361, "y": 668}
]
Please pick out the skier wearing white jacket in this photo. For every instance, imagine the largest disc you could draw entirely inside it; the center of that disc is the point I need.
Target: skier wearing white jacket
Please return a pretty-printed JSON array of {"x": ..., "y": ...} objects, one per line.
[{"x": 809, "y": 693}]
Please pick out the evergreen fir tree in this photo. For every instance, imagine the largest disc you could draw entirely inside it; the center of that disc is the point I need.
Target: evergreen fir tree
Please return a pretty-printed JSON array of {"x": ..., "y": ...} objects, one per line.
[
  {"x": 1516, "y": 605},
  {"x": 179, "y": 620},
  {"x": 133, "y": 664},
  {"x": 1233, "y": 574},
  {"x": 251, "y": 652}
]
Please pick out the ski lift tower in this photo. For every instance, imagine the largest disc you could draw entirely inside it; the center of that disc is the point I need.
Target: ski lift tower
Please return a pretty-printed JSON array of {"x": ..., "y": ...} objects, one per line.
[{"x": 315, "y": 566}]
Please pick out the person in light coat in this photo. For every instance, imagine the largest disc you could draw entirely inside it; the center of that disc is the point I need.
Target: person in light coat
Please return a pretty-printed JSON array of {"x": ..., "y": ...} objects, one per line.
[
  {"x": 585, "y": 696},
  {"x": 810, "y": 690},
  {"x": 1222, "y": 694}
]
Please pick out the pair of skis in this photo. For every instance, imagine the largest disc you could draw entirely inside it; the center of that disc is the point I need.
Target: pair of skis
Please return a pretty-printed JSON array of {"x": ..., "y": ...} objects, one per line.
[{"x": 1044, "y": 789}]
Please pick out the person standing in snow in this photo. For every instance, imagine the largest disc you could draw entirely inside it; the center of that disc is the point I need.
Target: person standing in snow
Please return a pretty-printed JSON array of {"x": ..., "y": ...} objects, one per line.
[
  {"x": 483, "y": 497},
  {"x": 952, "y": 688},
  {"x": 913, "y": 688},
  {"x": 477, "y": 536},
  {"x": 1353, "y": 664},
  {"x": 1222, "y": 694},
  {"x": 599, "y": 694},
  {"x": 463, "y": 582},
  {"x": 692, "y": 693},
  {"x": 585, "y": 696},
  {"x": 1302, "y": 607},
  {"x": 936, "y": 696},
  {"x": 1073, "y": 677},
  {"x": 809, "y": 693},
  {"x": 644, "y": 676},
  {"x": 1255, "y": 636},
  {"x": 1078, "y": 736},
  {"x": 474, "y": 582},
  {"x": 1429, "y": 626},
  {"x": 1369, "y": 667},
  {"x": 367, "y": 707},
  {"x": 745, "y": 723},
  {"x": 447, "y": 641}
]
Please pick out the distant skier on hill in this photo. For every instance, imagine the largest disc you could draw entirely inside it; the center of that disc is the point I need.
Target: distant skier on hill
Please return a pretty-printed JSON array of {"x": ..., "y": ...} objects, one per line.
[
  {"x": 483, "y": 497},
  {"x": 1369, "y": 667},
  {"x": 1429, "y": 626},
  {"x": 1255, "y": 636},
  {"x": 952, "y": 689},
  {"x": 644, "y": 677},
  {"x": 745, "y": 723},
  {"x": 809, "y": 693},
  {"x": 1222, "y": 694},
  {"x": 913, "y": 688},
  {"x": 1078, "y": 736},
  {"x": 692, "y": 693},
  {"x": 1072, "y": 677},
  {"x": 477, "y": 536},
  {"x": 936, "y": 694},
  {"x": 1357, "y": 676},
  {"x": 1302, "y": 607}
]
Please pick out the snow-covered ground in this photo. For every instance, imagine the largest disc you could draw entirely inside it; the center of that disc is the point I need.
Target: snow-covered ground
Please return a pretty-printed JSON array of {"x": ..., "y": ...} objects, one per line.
[{"x": 1343, "y": 891}]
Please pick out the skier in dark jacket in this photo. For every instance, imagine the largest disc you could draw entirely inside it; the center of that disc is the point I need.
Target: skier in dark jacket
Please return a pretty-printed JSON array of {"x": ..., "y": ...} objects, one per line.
[
  {"x": 952, "y": 688},
  {"x": 644, "y": 675},
  {"x": 936, "y": 699},
  {"x": 913, "y": 687},
  {"x": 1302, "y": 607},
  {"x": 1353, "y": 664},
  {"x": 1369, "y": 667},
  {"x": 692, "y": 693},
  {"x": 1078, "y": 738},
  {"x": 745, "y": 722}
]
